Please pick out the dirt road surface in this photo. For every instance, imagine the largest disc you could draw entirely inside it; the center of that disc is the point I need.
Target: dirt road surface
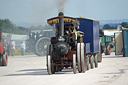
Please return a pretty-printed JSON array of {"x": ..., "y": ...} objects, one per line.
[{"x": 31, "y": 70}]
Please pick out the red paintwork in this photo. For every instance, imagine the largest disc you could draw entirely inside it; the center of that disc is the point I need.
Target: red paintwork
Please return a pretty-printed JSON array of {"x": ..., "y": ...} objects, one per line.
[
  {"x": 70, "y": 55},
  {"x": 102, "y": 47},
  {"x": 109, "y": 49},
  {"x": 1, "y": 44},
  {"x": 62, "y": 61}
]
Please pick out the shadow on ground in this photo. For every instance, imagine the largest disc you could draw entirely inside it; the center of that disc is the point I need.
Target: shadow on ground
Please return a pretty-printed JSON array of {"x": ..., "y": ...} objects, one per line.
[
  {"x": 36, "y": 72},
  {"x": 29, "y": 72}
]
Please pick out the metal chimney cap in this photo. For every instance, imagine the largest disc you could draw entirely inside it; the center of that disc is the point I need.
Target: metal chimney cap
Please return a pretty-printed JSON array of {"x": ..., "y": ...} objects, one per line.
[{"x": 61, "y": 14}]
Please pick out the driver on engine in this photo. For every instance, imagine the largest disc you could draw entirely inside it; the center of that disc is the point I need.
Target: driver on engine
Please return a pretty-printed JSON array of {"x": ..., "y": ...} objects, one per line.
[{"x": 72, "y": 34}]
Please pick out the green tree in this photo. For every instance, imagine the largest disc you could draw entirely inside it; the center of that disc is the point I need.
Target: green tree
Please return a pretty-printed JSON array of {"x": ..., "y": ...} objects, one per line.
[
  {"x": 7, "y": 26},
  {"x": 106, "y": 26},
  {"x": 124, "y": 24}
]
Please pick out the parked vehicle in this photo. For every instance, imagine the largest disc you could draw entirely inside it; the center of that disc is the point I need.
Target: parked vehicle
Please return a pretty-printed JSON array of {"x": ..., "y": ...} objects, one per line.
[
  {"x": 3, "y": 53},
  {"x": 121, "y": 41},
  {"x": 106, "y": 44},
  {"x": 38, "y": 41},
  {"x": 66, "y": 51}
]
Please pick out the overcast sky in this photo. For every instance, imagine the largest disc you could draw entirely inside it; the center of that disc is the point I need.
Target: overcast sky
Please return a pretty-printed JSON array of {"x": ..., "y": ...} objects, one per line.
[{"x": 41, "y": 10}]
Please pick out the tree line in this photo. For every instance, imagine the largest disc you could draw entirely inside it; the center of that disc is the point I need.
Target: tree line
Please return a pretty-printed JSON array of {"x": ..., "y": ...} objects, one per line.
[
  {"x": 107, "y": 26},
  {"x": 8, "y": 27}
]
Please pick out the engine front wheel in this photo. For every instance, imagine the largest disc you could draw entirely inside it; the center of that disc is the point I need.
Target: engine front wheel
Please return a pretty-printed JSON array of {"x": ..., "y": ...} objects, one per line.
[
  {"x": 74, "y": 63},
  {"x": 49, "y": 65}
]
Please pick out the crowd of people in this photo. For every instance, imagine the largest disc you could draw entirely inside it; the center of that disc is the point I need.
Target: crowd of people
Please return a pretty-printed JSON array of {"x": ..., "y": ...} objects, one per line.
[{"x": 10, "y": 49}]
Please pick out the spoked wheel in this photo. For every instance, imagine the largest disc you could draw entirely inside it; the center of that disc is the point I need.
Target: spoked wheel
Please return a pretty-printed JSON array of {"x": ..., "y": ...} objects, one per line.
[
  {"x": 87, "y": 62},
  {"x": 41, "y": 46},
  {"x": 78, "y": 57},
  {"x": 83, "y": 59},
  {"x": 95, "y": 61},
  {"x": 91, "y": 60},
  {"x": 5, "y": 59},
  {"x": 74, "y": 63}
]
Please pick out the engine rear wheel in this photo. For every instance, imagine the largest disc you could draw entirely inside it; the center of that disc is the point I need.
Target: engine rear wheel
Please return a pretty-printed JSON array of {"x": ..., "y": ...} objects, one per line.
[
  {"x": 74, "y": 63},
  {"x": 78, "y": 57},
  {"x": 83, "y": 59}
]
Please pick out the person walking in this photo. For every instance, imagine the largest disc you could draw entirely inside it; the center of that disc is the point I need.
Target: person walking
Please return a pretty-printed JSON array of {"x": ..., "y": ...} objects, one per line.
[
  {"x": 22, "y": 49},
  {"x": 12, "y": 50}
]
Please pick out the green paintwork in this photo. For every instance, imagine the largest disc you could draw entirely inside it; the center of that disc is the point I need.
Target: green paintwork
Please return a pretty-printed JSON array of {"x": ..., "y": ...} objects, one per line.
[{"x": 105, "y": 39}]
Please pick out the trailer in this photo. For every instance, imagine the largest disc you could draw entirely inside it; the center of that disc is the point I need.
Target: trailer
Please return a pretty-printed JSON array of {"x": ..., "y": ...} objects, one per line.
[
  {"x": 91, "y": 41},
  {"x": 106, "y": 41},
  {"x": 77, "y": 51},
  {"x": 3, "y": 53}
]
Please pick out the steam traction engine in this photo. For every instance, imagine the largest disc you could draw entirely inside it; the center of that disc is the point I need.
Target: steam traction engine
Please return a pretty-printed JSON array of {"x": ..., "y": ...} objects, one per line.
[
  {"x": 38, "y": 41},
  {"x": 64, "y": 51}
]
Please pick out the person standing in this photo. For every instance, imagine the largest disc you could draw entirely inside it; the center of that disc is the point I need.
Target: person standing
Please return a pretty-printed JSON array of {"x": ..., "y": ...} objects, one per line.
[
  {"x": 8, "y": 48},
  {"x": 12, "y": 49},
  {"x": 22, "y": 49}
]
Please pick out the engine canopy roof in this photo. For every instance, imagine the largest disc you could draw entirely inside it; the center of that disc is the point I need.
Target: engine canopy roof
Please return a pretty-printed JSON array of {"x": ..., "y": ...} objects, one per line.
[{"x": 55, "y": 20}]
